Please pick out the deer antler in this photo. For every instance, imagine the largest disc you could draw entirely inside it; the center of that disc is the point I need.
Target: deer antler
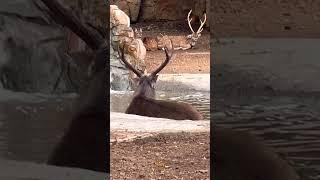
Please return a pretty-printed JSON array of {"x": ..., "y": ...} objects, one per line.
[
  {"x": 66, "y": 18},
  {"x": 189, "y": 21},
  {"x": 168, "y": 57},
  {"x": 128, "y": 65},
  {"x": 202, "y": 23}
]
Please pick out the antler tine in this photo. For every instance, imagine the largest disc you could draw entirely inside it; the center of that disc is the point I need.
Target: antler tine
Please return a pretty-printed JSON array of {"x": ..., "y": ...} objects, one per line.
[
  {"x": 128, "y": 65},
  {"x": 168, "y": 57},
  {"x": 202, "y": 23},
  {"x": 189, "y": 21}
]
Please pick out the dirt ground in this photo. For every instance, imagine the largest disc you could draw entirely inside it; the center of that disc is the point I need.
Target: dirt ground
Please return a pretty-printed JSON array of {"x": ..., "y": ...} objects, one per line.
[{"x": 165, "y": 156}]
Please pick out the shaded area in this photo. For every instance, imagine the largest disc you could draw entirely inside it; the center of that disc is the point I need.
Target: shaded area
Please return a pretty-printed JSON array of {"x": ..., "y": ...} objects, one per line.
[
  {"x": 264, "y": 86},
  {"x": 31, "y": 125}
]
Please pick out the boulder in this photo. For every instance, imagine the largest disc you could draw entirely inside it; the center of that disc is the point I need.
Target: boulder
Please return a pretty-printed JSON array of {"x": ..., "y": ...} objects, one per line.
[
  {"x": 129, "y": 7},
  {"x": 31, "y": 48},
  {"x": 123, "y": 35}
]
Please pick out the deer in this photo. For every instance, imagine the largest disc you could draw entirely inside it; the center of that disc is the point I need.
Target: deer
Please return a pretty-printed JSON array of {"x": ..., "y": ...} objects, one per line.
[
  {"x": 144, "y": 102},
  {"x": 85, "y": 141},
  {"x": 194, "y": 36},
  {"x": 239, "y": 155},
  {"x": 179, "y": 42}
]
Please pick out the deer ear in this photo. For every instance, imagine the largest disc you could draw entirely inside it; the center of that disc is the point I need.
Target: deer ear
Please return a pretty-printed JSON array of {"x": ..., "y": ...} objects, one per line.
[{"x": 189, "y": 36}]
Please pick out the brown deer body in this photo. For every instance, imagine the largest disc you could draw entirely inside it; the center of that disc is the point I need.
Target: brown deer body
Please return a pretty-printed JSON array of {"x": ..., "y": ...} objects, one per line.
[
  {"x": 162, "y": 109},
  {"x": 238, "y": 155},
  {"x": 145, "y": 104},
  {"x": 85, "y": 142}
]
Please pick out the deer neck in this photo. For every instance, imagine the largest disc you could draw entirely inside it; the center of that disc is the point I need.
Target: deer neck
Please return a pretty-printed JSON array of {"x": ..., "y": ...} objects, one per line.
[{"x": 144, "y": 91}]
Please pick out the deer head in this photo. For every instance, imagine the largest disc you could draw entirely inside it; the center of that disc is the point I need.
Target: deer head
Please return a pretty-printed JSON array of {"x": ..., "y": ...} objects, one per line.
[
  {"x": 195, "y": 35},
  {"x": 138, "y": 33},
  {"x": 145, "y": 83}
]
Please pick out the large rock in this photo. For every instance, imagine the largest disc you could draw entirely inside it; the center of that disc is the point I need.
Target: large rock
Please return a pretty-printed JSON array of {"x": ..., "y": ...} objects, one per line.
[
  {"x": 123, "y": 35},
  {"x": 37, "y": 55},
  {"x": 31, "y": 46},
  {"x": 130, "y": 7}
]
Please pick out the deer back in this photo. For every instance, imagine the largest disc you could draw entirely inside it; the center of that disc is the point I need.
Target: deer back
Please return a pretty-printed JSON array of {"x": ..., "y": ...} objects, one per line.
[{"x": 144, "y": 106}]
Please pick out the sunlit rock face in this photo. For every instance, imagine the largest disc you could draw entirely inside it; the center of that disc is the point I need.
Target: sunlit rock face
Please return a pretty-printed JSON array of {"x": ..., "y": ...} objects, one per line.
[{"x": 122, "y": 35}]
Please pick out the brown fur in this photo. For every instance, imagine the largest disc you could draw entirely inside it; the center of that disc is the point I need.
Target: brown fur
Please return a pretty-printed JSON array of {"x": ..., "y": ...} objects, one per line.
[
  {"x": 84, "y": 144},
  {"x": 145, "y": 106},
  {"x": 237, "y": 155}
]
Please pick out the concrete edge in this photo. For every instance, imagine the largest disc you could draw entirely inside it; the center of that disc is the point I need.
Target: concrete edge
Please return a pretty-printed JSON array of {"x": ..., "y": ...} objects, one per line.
[{"x": 31, "y": 170}]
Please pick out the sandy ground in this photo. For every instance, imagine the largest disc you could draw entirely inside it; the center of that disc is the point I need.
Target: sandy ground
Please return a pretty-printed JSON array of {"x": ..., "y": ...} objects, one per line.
[{"x": 165, "y": 156}]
